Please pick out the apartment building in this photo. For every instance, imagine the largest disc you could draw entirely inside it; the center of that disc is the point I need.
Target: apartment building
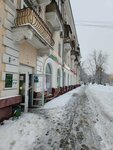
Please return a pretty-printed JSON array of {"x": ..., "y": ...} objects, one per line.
[{"x": 39, "y": 52}]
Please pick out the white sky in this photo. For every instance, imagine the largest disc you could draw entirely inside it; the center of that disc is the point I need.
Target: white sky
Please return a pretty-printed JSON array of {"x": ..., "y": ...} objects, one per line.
[{"x": 91, "y": 38}]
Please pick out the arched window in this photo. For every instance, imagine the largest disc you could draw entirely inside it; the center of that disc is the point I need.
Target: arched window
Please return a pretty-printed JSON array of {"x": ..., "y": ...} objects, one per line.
[
  {"x": 68, "y": 80},
  {"x": 59, "y": 49},
  {"x": 58, "y": 78},
  {"x": 48, "y": 78},
  {"x": 64, "y": 78}
]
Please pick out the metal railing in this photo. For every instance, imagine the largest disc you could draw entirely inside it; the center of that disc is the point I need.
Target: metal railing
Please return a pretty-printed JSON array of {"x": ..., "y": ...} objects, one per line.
[{"x": 27, "y": 16}]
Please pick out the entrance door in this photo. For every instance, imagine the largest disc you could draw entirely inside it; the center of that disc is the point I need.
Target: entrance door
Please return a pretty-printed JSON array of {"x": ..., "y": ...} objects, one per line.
[
  {"x": 26, "y": 90},
  {"x": 23, "y": 89},
  {"x": 25, "y": 86}
]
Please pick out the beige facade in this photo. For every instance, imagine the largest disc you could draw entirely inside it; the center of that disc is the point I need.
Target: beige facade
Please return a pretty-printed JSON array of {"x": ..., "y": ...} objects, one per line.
[
  {"x": 2, "y": 48},
  {"x": 25, "y": 55},
  {"x": 39, "y": 52}
]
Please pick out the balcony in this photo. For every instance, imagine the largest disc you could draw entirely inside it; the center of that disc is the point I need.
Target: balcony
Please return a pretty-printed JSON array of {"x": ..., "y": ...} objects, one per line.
[
  {"x": 54, "y": 16},
  {"x": 67, "y": 46},
  {"x": 67, "y": 32},
  {"x": 67, "y": 37},
  {"x": 44, "y": 1},
  {"x": 73, "y": 42},
  {"x": 29, "y": 26},
  {"x": 73, "y": 54}
]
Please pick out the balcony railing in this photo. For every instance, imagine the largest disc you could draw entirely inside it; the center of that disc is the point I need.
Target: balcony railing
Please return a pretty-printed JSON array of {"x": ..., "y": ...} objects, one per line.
[{"x": 28, "y": 16}]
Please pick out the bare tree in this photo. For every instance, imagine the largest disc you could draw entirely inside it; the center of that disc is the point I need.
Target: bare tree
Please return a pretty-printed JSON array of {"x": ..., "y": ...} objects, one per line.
[
  {"x": 83, "y": 74},
  {"x": 97, "y": 65}
]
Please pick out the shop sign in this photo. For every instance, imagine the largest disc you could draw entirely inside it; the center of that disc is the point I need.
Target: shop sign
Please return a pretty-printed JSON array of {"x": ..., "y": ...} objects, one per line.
[{"x": 54, "y": 58}]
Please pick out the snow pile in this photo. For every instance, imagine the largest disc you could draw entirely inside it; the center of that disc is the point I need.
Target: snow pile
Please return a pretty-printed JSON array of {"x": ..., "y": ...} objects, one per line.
[
  {"x": 21, "y": 133},
  {"x": 46, "y": 127},
  {"x": 63, "y": 99},
  {"x": 24, "y": 133},
  {"x": 101, "y": 102}
]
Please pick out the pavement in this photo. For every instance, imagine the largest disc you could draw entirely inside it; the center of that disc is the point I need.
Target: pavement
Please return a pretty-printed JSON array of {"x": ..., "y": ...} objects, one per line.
[{"x": 70, "y": 127}]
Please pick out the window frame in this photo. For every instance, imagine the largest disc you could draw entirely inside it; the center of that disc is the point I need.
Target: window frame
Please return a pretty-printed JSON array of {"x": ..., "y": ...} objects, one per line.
[
  {"x": 23, "y": 4},
  {"x": 59, "y": 49},
  {"x": 6, "y": 81}
]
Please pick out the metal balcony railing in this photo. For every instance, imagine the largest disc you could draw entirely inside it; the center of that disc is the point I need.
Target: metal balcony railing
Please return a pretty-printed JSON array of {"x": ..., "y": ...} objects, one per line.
[{"x": 28, "y": 16}]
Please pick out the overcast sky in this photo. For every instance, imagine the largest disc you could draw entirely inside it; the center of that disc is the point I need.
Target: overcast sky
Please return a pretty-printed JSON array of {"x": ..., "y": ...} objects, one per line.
[{"x": 95, "y": 12}]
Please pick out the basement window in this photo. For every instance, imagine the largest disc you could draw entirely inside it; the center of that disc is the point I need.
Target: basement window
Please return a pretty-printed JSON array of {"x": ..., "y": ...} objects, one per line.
[{"x": 8, "y": 80}]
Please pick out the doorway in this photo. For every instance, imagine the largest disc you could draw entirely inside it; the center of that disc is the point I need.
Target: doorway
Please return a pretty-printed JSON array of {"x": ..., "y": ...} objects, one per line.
[{"x": 26, "y": 86}]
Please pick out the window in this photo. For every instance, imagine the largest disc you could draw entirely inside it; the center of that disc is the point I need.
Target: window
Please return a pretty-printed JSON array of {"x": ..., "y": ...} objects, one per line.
[
  {"x": 48, "y": 78},
  {"x": 68, "y": 80},
  {"x": 64, "y": 78},
  {"x": 23, "y": 4},
  {"x": 59, "y": 49},
  {"x": 8, "y": 80},
  {"x": 60, "y": 6},
  {"x": 68, "y": 61},
  {"x": 58, "y": 78},
  {"x": 59, "y": 3},
  {"x": 33, "y": 4},
  {"x": 71, "y": 63}
]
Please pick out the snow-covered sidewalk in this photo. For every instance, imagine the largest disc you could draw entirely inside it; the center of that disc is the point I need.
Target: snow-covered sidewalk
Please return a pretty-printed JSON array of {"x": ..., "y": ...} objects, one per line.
[
  {"x": 31, "y": 129},
  {"x": 81, "y": 119}
]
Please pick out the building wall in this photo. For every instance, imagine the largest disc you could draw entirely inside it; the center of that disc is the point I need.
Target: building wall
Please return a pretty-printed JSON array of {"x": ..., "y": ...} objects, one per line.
[
  {"x": 14, "y": 51},
  {"x": 2, "y": 48},
  {"x": 14, "y": 57},
  {"x": 28, "y": 55},
  {"x": 10, "y": 56},
  {"x": 7, "y": 48}
]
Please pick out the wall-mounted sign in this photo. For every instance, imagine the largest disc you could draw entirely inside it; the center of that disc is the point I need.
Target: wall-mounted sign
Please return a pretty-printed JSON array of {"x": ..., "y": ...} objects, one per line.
[{"x": 54, "y": 58}]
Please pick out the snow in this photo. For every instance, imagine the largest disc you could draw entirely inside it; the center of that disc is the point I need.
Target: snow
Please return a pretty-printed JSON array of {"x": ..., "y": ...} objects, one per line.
[
  {"x": 101, "y": 102},
  {"x": 61, "y": 100},
  {"x": 29, "y": 127},
  {"x": 21, "y": 132},
  {"x": 24, "y": 133}
]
